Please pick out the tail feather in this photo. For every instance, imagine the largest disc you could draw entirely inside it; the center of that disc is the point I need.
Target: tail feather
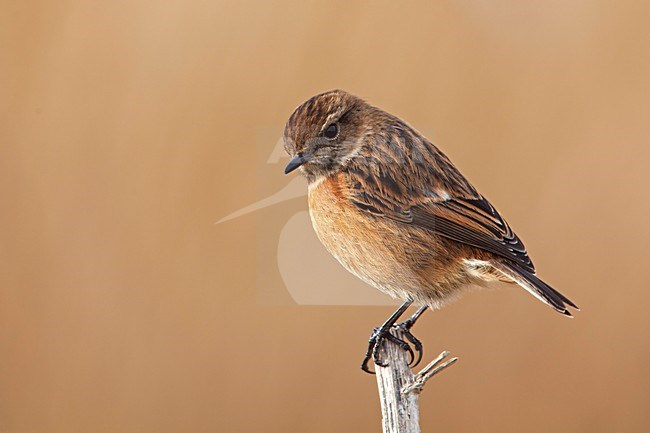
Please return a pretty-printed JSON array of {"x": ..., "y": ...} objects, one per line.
[{"x": 537, "y": 287}]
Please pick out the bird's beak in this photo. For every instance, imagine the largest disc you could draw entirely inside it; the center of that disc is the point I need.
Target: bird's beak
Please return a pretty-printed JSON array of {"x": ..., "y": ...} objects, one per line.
[{"x": 295, "y": 162}]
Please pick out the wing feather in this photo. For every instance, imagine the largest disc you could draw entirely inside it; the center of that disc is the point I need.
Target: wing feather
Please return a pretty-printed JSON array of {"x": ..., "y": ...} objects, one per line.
[
  {"x": 465, "y": 218},
  {"x": 466, "y": 221}
]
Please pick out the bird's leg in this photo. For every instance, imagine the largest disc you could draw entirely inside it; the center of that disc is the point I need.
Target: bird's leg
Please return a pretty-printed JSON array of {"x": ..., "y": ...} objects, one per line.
[
  {"x": 406, "y": 330},
  {"x": 383, "y": 332}
]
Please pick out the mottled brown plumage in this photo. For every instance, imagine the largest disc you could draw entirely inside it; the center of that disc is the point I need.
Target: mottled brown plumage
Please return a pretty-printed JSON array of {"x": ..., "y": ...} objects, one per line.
[{"x": 394, "y": 210}]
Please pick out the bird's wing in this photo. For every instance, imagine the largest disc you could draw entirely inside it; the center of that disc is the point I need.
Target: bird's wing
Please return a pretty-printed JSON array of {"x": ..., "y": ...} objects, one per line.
[
  {"x": 448, "y": 208},
  {"x": 475, "y": 222}
]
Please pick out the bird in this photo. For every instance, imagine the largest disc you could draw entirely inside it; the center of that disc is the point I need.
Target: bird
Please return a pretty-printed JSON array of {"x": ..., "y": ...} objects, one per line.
[{"x": 396, "y": 212}]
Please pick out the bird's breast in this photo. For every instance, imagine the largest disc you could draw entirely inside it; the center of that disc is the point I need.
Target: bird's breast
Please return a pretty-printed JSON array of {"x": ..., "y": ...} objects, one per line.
[{"x": 367, "y": 246}]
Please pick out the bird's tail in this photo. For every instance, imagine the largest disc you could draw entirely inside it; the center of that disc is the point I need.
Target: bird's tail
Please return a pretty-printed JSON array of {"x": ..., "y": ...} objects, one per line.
[{"x": 536, "y": 287}]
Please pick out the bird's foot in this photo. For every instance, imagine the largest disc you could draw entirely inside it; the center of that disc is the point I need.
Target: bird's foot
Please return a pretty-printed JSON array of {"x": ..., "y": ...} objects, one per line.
[
  {"x": 405, "y": 327},
  {"x": 380, "y": 334}
]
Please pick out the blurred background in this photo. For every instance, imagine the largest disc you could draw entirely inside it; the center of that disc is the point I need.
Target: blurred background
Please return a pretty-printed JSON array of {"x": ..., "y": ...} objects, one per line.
[{"x": 128, "y": 128}]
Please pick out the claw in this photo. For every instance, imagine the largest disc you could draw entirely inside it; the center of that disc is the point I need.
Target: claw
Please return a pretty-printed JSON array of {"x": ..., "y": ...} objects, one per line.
[
  {"x": 383, "y": 333},
  {"x": 371, "y": 351},
  {"x": 417, "y": 344},
  {"x": 374, "y": 344},
  {"x": 405, "y": 327}
]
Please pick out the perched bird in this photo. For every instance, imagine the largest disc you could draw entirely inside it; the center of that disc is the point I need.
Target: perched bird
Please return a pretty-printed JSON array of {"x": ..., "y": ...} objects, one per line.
[{"x": 394, "y": 211}]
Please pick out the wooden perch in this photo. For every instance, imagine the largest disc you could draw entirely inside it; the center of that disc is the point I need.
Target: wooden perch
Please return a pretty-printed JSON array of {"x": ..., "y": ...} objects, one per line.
[{"x": 399, "y": 388}]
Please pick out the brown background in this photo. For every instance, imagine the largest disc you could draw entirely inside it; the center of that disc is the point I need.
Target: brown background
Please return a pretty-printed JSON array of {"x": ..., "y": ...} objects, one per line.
[{"x": 128, "y": 128}]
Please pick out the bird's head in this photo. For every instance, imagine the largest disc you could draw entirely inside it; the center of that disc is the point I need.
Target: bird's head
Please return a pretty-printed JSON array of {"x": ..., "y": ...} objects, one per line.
[{"x": 325, "y": 132}]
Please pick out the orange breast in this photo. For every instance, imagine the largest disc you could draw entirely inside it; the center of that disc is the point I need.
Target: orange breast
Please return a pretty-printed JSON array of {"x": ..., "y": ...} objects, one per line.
[{"x": 366, "y": 246}]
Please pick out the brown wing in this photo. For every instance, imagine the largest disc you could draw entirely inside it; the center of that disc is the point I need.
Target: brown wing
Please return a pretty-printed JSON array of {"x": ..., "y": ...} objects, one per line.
[
  {"x": 473, "y": 222},
  {"x": 448, "y": 207}
]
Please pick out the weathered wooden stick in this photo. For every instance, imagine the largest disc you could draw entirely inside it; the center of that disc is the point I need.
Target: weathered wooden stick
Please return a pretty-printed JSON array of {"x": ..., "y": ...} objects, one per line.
[{"x": 399, "y": 388}]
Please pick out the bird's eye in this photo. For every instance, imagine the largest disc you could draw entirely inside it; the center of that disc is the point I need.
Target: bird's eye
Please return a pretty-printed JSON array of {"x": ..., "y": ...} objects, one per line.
[{"x": 331, "y": 131}]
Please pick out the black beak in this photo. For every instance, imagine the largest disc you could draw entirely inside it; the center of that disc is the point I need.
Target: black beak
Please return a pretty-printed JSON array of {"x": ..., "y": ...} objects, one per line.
[{"x": 295, "y": 162}]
